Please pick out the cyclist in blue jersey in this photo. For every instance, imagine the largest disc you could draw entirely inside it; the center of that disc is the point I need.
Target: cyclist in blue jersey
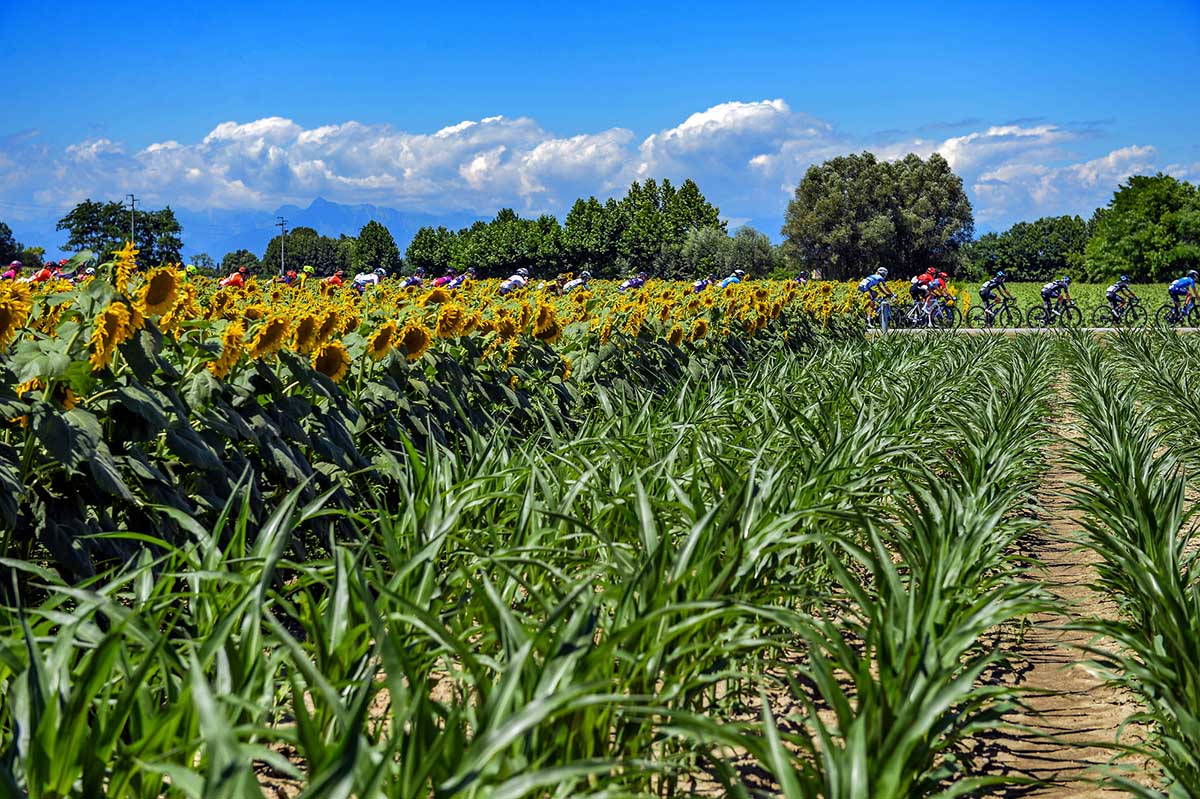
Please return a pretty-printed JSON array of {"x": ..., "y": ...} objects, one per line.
[
  {"x": 997, "y": 285},
  {"x": 876, "y": 282},
  {"x": 1184, "y": 287},
  {"x": 1118, "y": 295}
]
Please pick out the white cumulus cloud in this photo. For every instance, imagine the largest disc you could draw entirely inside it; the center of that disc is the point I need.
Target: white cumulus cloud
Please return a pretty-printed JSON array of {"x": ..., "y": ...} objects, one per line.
[{"x": 746, "y": 156}]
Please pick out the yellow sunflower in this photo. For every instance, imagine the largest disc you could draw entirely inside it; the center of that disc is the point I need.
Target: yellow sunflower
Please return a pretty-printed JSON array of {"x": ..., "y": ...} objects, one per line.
[
  {"x": 699, "y": 329},
  {"x": 160, "y": 291},
  {"x": 415, "y": 339},
  {"x": 451, "y": 321},
  {"x": 329, "y": 324},
  {"x": 304, "y": 338},
  {"x": 435, "y": 297},
  {"x": 126, "y": 261},
  {"x": 332, "y": 360},
  {"x": 15, "y": 305},
  {"x": 111, "y": 329},
  {"x": 231, "y": 350},
  {"x": 675, "y": 336},
  {"x": 382, "y": 342},
  {"x": 270, "y": 337}
]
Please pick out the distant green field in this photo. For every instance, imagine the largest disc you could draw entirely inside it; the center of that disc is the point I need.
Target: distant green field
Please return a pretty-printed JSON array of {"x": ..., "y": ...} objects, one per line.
[{"x": 1086, "y": 295}]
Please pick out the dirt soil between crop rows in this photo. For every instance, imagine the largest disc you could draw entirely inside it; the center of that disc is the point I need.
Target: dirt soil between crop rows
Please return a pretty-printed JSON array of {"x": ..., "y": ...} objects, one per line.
[{"x": 1073, "y": 716}]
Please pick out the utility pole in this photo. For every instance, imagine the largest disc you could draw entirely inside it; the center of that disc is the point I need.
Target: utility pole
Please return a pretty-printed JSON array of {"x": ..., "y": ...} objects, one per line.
[
  {"x": 282, "y": 225},
  {"x": 132, "y": 203}
]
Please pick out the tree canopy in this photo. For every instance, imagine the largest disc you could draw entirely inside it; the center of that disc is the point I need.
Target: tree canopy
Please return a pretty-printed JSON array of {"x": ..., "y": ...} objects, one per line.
[
  {"x": 646, "y": 229},
  {"x": 1038, "y": 250},
  {"x": 238, "y": 258},
  {"x": 1150, "y": 230},
  {"x": 374, "y": 248},
  {"x": 855, "y": 213},
  {"x": 305, "y": 247},
  {"x": 103, "y": 227}
]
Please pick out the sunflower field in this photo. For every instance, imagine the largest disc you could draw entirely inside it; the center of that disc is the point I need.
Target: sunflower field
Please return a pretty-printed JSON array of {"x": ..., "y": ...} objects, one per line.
[{"x": 137, "y": 396}]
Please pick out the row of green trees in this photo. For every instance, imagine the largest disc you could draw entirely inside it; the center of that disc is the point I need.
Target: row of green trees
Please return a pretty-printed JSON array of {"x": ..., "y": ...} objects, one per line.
[
  {"x": 671, "y": 232},
  {"x": 1150, "y": 230}
]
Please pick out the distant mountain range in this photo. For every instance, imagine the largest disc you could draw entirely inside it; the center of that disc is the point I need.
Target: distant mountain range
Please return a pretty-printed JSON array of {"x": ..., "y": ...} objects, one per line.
[{"x": 218, "y": 232}]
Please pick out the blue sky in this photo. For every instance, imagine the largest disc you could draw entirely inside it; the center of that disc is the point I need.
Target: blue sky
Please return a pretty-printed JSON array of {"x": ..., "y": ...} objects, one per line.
[{"x": 1041, "y": 107}]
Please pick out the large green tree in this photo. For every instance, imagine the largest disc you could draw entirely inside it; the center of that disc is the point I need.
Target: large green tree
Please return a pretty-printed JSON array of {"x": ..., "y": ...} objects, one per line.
[
  {"x": 855, "y": 213},
  {"x": 10, "y": 250},
  {"x": 591, "y": 237},
  {"x": 103, "y": 227},
  {"x": 303, "y": 247},
  {"x": 375, "y": 248},
  {"x": 751, "y": 251},
  {"x": 239, "y": 258},
  {"x": 431, "y": 249},
  {"x": 1038, "y": 250},
  {"x": 1149, "y": 230}
]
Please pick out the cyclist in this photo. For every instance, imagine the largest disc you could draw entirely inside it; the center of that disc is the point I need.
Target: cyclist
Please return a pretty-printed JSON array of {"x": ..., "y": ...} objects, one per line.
[
  {"x": 579, "y": 282},
  {"x": 703, "y": 283},
  {"x": 737, "y": 277},
  {"x": 515, "y": 281},
  {"x": 1059, "y": 290},
  {"x": 447, "y": 278},
  {"x": 997, "y": 285},
  {"x": 238, "y": 278},
  {"x": 803, "y": 278},
  {"x": 870, "y": 283},
  {"x": 336, "y": 279},
  {"x": 14, "y": 270},
  {"x": 1118, "y": 295},
  {"x": 467, "y": 274},
  {"x": 919, "y": 288},
  {"x": 635, "y": 282},
  {"x": 415, "y": 279},
  {"x": 1184, "y": 287},
  {"x": 364, "y": 279}
]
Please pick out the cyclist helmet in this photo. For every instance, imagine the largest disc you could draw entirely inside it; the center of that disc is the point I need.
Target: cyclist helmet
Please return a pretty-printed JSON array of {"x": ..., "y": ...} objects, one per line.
[
  {"x": 881, "y": 271},
  {"x": 308, "y": 270},
  {"x": 585, "y": 275},
  {"x": 190, "y": 269},
  {"x": 89, "y": 271},
  {"x": 16, "y": 265},
  {"x": 739, "y": 272},
  {"x": 523, "y": 272},
  {"x": 999, "y": 273},
  {"x": 804, "y": 273},
  {"x": 1192, "y": 273},
  {"x": 242, "y": 269},
  {"x": 1124, "y": 278},
  {"x": 943, "y": 276},
  {"x": 931, "y": 271},
  {"x": 643, "y": 275},
  {"x": 379, "y": 270},
  {"x": 420, "y": 270},
  {"x": 1067, "y": 280}
]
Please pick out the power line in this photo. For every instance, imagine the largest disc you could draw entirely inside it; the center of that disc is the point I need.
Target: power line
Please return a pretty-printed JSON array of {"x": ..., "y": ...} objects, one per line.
[
  {"x": 282, "y": 225},
  {"x": 132, "y": 205}
]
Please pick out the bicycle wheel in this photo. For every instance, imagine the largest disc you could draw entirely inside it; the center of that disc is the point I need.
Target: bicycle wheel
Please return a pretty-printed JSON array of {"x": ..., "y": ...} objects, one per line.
[
  {"x": 1036, "y": 316},
  {"x": 1103, "y": 316},
  {"x": 978, "y": 317},
  {"x": 1166, "y": 316},
  {"x": 1070, "y": 316},
  {"x": 1007, "y": 316},
  {"x": 1134, "y": 316}
]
